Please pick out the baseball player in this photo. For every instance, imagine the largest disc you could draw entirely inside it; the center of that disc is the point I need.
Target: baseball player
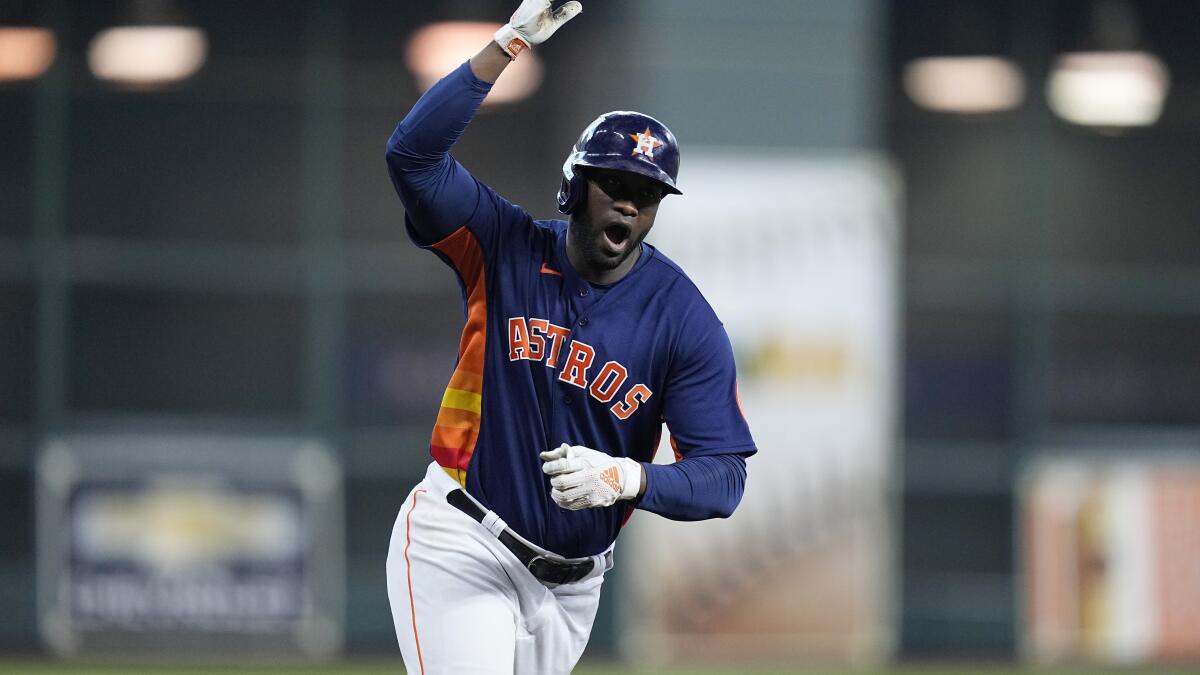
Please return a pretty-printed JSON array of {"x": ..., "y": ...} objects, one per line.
[{"x": 580, "y": 342}]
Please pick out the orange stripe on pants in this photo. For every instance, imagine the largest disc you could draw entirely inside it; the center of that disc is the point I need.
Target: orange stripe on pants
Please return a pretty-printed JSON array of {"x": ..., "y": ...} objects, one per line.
[{"x": 407, "y": 563}]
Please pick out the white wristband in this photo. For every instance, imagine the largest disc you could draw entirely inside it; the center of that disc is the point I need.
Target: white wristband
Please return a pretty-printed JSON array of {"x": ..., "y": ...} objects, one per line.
[
  {"x": 510, "y": 41},
  {"x": 631, "y": 483}
]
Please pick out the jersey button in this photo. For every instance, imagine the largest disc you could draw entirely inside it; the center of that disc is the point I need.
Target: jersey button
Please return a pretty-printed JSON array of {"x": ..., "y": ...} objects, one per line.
[
  {"x": 583, "y": 321},
  {"x": 567, "y": 400},
  {"x": 583, "y": 292}
]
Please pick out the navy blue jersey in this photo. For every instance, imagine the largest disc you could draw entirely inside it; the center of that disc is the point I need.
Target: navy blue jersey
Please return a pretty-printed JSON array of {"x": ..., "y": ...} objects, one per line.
[{"x": 547, "y": 358}]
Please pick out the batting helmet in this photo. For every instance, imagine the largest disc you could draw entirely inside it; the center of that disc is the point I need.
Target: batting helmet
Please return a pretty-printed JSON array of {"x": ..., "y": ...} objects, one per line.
[{"x": 622, "y": 140}]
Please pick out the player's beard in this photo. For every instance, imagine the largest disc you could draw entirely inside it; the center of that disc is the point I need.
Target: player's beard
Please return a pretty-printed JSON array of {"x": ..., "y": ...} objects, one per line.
[{"x": 588, "y": 240}]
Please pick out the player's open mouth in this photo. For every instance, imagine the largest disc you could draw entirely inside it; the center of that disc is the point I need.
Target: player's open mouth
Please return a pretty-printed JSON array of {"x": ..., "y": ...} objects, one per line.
[{"x": 616, "y": 235}]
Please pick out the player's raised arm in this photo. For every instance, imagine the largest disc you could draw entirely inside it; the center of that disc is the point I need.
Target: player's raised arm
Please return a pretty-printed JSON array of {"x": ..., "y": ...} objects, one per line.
[{"x": 439, "y": 195}]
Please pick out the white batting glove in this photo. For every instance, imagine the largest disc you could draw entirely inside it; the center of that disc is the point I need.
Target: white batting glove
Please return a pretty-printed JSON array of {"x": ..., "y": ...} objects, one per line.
[
  {"x": 532, "y": 24},
  {"x": 583, "y": 478}
]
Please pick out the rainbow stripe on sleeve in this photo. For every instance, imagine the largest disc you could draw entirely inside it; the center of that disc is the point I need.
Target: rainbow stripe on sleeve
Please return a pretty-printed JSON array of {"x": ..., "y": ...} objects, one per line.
[{"x": 457, "y": 426}]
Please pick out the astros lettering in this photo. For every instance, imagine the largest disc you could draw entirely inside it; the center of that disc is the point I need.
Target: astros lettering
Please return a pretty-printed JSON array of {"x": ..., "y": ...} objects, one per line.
[{"x": 540, "y": 340}]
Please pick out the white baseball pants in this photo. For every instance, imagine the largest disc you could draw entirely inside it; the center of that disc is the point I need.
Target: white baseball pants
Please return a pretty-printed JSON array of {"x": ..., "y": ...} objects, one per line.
[{"x": 462, "y": 603}]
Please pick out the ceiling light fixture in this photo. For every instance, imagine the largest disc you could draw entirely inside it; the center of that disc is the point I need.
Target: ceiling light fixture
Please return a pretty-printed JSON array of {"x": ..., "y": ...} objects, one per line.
[
  {"x": 146, "y": 56},
  {"x": 1111, "y": 80},
  {"x": 1108, "y": 89},
  {"x": 155, "y": 45},
  {"x": 964, "y": 84},
  {"x": 26, "y": 52}
]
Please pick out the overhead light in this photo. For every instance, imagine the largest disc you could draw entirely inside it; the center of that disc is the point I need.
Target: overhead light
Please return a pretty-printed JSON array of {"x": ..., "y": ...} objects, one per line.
[
  {"x": 25, "y": 52},
  {"x": 1108, "y": 89},
  {"x": 147, "y": 56},
  {"x": 964, "y": 84},
  {"x": 436, "y": 49}
]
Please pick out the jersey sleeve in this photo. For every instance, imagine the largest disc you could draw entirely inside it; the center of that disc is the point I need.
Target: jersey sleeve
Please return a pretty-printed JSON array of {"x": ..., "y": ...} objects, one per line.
[
  {"x": 701, "y": 407},
  {"x": 708, "y": 431},
  {"x": 440, "y": 196}
]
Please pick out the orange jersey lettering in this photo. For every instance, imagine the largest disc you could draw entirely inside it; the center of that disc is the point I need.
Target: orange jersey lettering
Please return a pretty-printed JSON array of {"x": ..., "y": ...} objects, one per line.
[
  {"x": 540, "y": 340},
  {"x": 608, "y": 381},
  {"x": 636, "y": 396},
  {"x": 558, "y": 334},
  {"x": 537, "y": 338},
  {"x": 578, "y": 361},
  {"x": 518, "y": 338}
]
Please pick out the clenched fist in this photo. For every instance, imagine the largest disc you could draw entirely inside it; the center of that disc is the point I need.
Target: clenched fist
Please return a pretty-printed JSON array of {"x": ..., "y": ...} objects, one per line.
[
  {"x": 583, "y": 478},
  {"x": 532, "y": 24}
]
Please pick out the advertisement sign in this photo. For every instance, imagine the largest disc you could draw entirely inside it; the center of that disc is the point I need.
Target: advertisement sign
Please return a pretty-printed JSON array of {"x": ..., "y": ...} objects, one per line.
[
  {"x": 189, "y": 546},
  {"x": 798, "y": 255},
  {"x": 1110, "y": 549}
]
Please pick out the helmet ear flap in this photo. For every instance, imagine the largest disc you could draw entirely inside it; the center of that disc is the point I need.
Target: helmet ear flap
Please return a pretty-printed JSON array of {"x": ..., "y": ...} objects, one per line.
[
  {"x": 564, "y": 196},
  {"x": 570, "y": 193}
]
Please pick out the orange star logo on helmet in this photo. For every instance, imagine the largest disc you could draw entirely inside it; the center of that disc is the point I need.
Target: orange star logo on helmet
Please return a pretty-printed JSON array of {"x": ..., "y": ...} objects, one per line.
[{"x": 646, "y": 144}]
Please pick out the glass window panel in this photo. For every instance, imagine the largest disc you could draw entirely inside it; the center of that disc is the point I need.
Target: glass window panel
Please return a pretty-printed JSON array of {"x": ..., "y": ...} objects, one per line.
[
  {"x": 380, "y": 30},
  {"x": 962, "y": 189},
  {"x": 155, "y": 167},
  {"x": 137, "y": 351},
  {"x": 1125, "y": 369},
  {"x": 371, "y": 502},
  {"x": 16, "y": 161},
  {"x": 16, "y": 514},
  {"x": 958, "y": 376},
  {"x": 1126, "y": 200},
  {"x": 259, "y": 29},
  {"x": 963, "y": 533},
  {"x": 16, "y": 353},
  {"x": 372, "y": 209}
]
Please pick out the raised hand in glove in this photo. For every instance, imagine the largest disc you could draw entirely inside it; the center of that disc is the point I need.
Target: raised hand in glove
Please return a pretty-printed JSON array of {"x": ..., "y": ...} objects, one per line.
[
  {"x": 583, "y": 478},
  {"x": 532, "y": 24}
]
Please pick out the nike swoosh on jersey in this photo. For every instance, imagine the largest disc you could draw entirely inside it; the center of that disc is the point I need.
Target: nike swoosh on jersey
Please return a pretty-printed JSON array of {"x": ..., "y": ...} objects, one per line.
[{"x": 546, "y": 269}]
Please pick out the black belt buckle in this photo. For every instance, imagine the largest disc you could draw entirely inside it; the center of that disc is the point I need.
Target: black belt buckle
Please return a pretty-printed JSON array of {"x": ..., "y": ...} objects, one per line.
[{"x": 555, "y": 572}]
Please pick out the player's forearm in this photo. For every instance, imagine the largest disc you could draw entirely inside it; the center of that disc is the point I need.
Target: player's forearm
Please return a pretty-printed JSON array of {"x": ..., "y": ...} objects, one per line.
[
  {"x": 489, "y": 62},
  {"x": 695, "y": 488}
]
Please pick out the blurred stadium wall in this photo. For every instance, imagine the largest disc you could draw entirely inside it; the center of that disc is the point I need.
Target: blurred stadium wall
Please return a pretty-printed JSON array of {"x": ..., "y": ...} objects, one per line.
[{"x": 221, "y": 257}]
